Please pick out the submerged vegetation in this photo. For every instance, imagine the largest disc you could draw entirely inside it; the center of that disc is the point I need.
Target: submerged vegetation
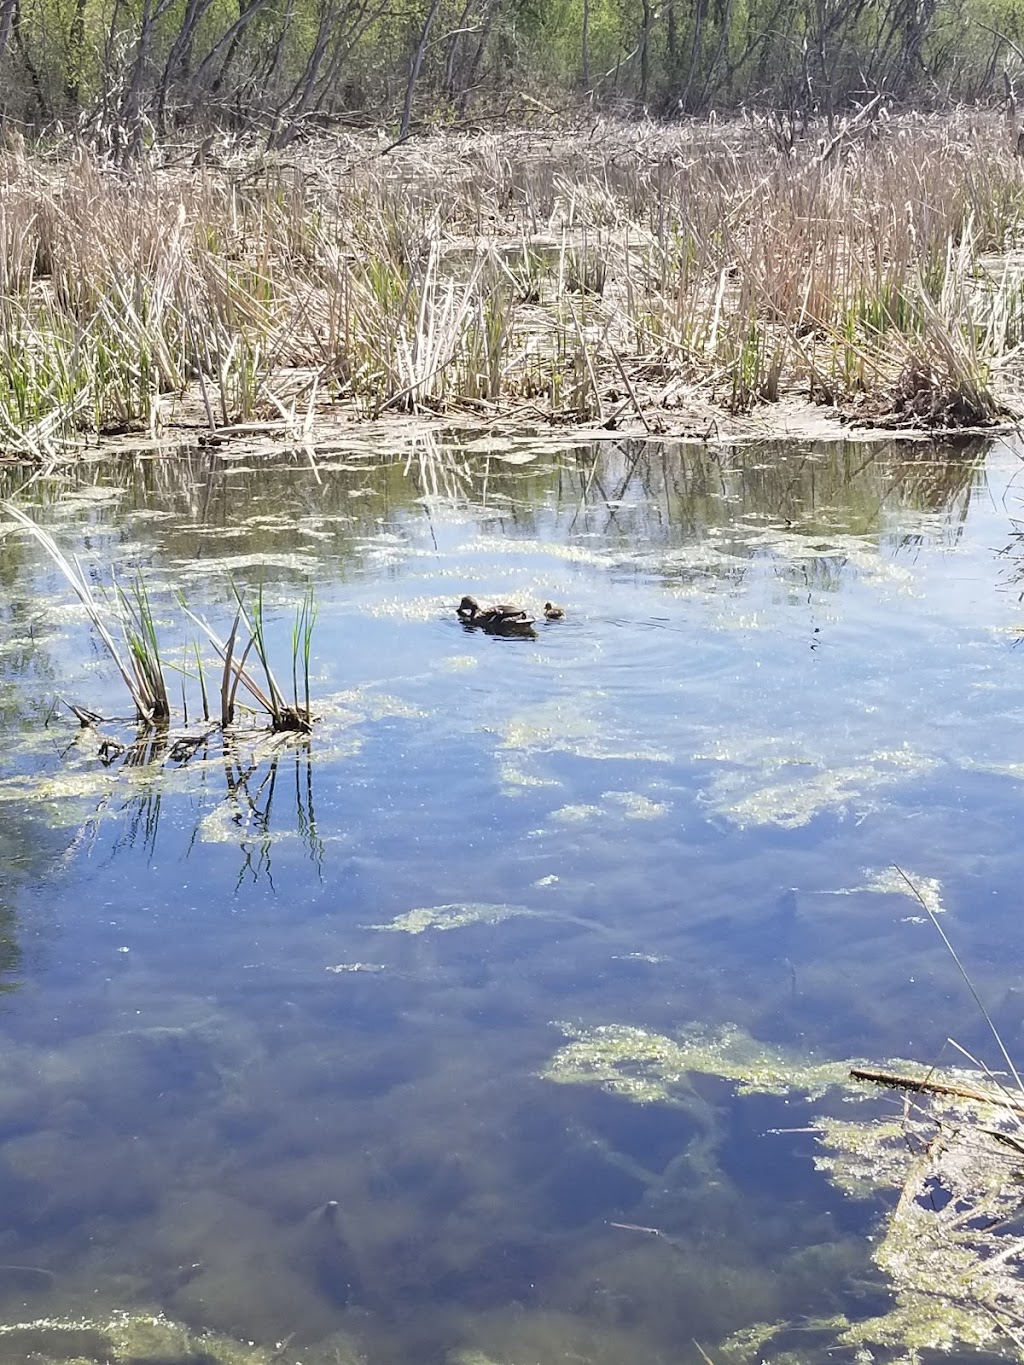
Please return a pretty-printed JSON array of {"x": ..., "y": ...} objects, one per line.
[
  {"x": 632, "y": 276},
  {"x": 950, "y": 1153},
  {"x": 135, "y": 1338},
  {"x": 949, "y": 1249}
]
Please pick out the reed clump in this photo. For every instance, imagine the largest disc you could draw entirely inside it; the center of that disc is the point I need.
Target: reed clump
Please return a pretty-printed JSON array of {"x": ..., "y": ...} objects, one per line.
[
  {"x": 629, "y": 272},
  {"x": 143, "y": 666}
]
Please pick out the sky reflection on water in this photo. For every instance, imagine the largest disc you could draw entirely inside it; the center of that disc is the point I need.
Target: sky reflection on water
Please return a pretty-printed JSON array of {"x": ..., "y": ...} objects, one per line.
[{"x": 782, "y": 670}]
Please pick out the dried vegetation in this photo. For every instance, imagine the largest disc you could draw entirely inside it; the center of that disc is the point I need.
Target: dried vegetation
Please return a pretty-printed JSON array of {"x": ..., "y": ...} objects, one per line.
[{"x": 629, "y": 275}]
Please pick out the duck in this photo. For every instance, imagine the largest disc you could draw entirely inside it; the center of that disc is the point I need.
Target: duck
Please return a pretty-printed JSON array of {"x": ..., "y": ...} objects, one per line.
[
  {"x": 553, "y": 612},
  {"x": 500, "y": 619}
]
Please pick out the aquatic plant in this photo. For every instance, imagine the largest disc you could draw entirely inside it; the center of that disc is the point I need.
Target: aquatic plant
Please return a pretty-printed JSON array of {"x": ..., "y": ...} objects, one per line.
[
  {"x": 283, "y": 715},
  {"x": 302, "y": 636},
  {"x": 456, "y": 916},
  {"x": 144, "y": 648},
  {"x": 143, "y": 670}
]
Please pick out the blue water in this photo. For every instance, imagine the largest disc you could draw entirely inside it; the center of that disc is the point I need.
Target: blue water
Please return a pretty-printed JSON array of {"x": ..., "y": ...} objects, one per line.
[{"x": 782, "y": 670}]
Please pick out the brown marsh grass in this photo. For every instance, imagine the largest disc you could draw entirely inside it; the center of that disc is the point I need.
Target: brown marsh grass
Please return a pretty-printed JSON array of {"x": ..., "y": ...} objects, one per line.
[{"x": 618, "y": 276}]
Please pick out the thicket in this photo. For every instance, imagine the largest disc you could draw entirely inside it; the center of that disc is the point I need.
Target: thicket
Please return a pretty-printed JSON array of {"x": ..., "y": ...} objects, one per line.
[{"x": 128, "y": 71}]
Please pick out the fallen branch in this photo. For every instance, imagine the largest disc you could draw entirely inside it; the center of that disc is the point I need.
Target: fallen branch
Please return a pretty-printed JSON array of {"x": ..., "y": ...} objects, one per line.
[{"x": 925, "y": 1087}]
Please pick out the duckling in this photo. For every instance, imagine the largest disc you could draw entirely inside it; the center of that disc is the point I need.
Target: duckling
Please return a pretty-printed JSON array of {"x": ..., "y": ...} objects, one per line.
[
  {"x": 500, "y": 619},
  {"x": 553, "y": 612}
]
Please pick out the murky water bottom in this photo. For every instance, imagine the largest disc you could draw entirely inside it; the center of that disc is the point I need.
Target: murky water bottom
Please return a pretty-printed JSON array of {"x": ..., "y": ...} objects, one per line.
[{"x": 282, "y": 1025}]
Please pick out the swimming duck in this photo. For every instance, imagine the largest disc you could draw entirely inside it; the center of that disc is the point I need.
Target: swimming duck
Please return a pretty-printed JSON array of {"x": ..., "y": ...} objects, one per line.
[
  {"x": 553, "y": 612},
  {"x": 500, "y": 619}
]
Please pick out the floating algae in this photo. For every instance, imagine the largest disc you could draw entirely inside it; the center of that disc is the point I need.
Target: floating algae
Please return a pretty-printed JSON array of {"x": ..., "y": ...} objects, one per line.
[
  {"x": 627, "y": 805},
  {"x": 576, "y": 814},
  {"x": 648, "y": 1067},
  {"x": 890, "y": 881},
  {"x": 303, "y": 565},
  {"x": 514, "y": 778},
  {"x": 809, "y": 786},
  {"x": 579, "y": 725},
  {"x": 449, "y": 917},
  {"x": 862, "y": 1159},
  {"x": 814, "y": 1340},
  {"x": 635, "y": 806},
  {"x": 127, "y": 1339},
  {"x": 951, "y": 1246}
]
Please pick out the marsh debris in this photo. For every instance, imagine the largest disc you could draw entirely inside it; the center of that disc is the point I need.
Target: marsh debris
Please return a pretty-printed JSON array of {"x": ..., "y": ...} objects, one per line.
[
  {"x": 952, "y": 1246},
  {"x": 925, "y": 394},
  {"x": 501, "y": 277}
]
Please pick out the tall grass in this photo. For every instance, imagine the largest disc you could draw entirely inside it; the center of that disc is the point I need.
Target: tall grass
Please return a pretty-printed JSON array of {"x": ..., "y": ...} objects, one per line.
[{"x": 489, "y": 273}]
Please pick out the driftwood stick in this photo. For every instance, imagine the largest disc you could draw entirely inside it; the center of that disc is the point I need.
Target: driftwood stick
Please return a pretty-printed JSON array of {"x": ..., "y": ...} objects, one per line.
[{"x": 925, "y": 1087}]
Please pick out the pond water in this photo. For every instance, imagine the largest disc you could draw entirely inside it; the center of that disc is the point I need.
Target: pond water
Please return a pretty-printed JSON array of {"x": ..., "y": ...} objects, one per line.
[{"x": 349, "y": 967}]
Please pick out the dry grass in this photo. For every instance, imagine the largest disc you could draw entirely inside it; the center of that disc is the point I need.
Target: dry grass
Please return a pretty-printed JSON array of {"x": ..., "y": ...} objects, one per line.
[{"x": 610, "y": 277}]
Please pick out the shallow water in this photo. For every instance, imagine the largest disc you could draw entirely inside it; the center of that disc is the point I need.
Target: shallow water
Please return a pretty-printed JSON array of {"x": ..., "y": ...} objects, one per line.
[{"x": 343, "y": 969}]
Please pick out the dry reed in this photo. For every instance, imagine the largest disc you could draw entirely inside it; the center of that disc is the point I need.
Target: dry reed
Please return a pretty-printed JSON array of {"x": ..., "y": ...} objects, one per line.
[{"x": 634, "y": 271}]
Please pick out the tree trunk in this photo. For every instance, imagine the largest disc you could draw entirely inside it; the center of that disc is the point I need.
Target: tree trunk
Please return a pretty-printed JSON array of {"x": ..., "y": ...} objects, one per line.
[
  {"x": 178, "y": 59},
  {"x": 76, "y": 49},
  {"x": 6, "y": 25},
  {"x": 415, "y": 68},
  {"x": 46, "y": 114},
  {"x": 645, "y": 54},
  {"x": 585, "y": 49},
  {"x": 227, "y": 40},
  {"x": 452, "y": 85}
]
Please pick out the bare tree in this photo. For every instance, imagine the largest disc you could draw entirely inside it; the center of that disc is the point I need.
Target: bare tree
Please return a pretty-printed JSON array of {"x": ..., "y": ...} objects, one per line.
[
  {"x": 6, "y": 25},
  {"x": 416, "y": 66}
]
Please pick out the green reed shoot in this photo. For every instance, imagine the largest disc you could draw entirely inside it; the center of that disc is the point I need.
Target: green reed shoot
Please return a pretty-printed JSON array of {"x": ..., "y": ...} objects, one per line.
[
  {"x": 302, "y": 635},
  {"x": 202, "y": 681},
  {"x": 257, "y": 629},
  {"x": 140, "y": 636},
  {"x": 234, "y": 670},
  {"x": 229, "y": 680}
]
